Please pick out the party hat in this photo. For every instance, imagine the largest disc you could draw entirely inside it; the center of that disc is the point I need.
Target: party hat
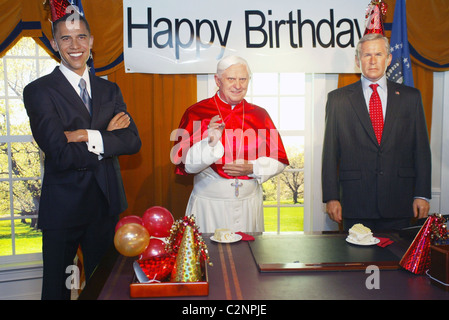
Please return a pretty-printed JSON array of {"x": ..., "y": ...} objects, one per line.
[
  {"x": 417, "y": 258},
  {"x": 374, "y": 16},
  {"x": 59, "y": 8},
  {"x": 187, "y": 266}
]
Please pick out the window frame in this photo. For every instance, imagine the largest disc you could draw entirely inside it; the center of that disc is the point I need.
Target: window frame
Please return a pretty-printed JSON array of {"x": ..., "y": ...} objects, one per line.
[{"x": 38, "y": 56}]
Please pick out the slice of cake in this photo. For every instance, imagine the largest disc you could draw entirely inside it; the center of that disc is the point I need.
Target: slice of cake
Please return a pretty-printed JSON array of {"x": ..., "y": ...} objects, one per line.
[
  {"x": 223, "y": 235},
  {"x": 361, "y": 234}
]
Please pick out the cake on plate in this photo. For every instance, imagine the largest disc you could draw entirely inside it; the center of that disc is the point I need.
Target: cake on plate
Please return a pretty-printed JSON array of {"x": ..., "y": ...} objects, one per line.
[
  {"x": 361, "y": 234},
  {"x": 223, "y": 235}
]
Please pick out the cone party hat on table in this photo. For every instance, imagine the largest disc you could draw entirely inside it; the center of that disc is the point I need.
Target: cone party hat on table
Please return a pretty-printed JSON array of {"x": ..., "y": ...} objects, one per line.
[
  {"x": 188, "y": 265},
  {"x": 374, "y": 17},
  {"x": 417, "y": 257}
]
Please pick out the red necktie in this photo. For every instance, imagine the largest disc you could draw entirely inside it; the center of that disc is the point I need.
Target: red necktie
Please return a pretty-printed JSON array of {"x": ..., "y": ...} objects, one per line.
[{"x": 375, "y": 112}]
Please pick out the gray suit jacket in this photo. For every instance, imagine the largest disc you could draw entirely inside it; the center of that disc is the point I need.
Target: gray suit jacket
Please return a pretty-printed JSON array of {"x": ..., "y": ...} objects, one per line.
[{"x": 369, "y": 179}]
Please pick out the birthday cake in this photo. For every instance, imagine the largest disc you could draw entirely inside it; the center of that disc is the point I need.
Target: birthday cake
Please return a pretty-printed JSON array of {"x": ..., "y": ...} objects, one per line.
[
  {"x": 223, "y": 235},
  {"x": 361, "y": 234}
]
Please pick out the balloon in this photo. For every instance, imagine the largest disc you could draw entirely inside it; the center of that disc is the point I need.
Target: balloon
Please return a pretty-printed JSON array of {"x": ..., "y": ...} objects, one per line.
[
  {"x": 131, "y": 239},
  {"x": 155, "y": 248},
  {"x": 158, "y": 221},
  {"x": 128, "y": 219}
]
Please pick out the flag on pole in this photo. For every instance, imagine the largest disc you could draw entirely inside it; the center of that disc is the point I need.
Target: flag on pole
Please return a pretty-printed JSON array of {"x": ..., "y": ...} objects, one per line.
[
  {"x": 400, "y": 69},
  {"x": 79, "y": 7}
]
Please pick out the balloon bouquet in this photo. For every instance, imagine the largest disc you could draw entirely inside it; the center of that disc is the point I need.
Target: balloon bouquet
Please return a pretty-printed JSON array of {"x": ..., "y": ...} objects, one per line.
[
  {"x": 179, "y": 255},
  {"x": 139, "y": 236}
]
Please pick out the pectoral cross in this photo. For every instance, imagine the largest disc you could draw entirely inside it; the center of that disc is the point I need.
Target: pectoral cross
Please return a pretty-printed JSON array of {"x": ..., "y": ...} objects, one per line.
[{"x": 236, "y": 185}]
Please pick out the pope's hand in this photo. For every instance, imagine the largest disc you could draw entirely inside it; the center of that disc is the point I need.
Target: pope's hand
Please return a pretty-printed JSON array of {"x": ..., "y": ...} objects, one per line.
[
  {"x": 238, "y": 168},
  {"x": 215, "y": 130}
]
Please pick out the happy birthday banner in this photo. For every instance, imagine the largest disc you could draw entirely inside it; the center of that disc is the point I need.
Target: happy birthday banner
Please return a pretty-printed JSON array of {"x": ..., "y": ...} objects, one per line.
[{"x": 177, "y": 37}]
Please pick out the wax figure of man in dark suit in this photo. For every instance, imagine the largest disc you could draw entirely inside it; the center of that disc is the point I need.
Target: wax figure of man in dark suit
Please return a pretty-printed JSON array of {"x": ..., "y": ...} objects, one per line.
[
  {"x": 382, "y": 185},
  {"x": 82, "y": 189}
]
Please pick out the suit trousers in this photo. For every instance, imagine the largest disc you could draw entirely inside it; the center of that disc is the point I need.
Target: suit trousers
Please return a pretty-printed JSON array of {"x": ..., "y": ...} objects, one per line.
[{"x": 59, "y": 248}]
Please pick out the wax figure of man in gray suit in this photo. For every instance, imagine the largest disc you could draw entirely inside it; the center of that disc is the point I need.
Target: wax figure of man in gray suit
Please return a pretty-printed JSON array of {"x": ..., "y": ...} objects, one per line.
[
  {"x": 82, "y": 189},
  {"x": 382, "y": 185}
]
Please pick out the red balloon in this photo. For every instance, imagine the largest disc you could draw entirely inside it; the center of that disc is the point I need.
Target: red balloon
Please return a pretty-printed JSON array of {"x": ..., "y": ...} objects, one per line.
[
  {"x": 158, "y": 221},
  {"x": 155, "y": 248},
  {"x": 128, "y": 219}
]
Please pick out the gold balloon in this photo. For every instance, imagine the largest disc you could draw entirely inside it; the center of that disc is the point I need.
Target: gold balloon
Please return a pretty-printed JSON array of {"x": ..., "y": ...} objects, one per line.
[{"x": 131, "y": 239}]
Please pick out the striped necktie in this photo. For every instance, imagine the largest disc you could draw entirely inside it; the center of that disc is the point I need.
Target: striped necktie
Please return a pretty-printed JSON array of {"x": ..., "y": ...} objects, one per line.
[
  {"x": 85, "y": 96},
  {"x": 375, "y": 112}
]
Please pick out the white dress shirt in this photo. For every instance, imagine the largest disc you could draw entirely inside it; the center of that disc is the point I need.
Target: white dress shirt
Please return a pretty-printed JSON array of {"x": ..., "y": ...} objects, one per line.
[
  {"x": 95, "y": 141},
  {"x": 381, "y": 90}
]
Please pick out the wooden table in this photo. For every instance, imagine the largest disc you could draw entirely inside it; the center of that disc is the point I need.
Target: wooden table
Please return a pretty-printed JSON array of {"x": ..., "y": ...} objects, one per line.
[{"x": 236, "y": 276}]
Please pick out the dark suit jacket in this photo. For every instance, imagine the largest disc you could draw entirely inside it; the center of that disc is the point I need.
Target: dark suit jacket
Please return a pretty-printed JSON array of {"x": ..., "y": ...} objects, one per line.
[
  {"x": 373, "y": 181},
  {"x": 71, "y": 171}
]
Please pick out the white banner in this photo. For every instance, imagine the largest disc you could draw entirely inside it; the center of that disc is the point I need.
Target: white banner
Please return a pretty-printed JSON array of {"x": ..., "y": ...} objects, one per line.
[{"x": 190, "y": 36}]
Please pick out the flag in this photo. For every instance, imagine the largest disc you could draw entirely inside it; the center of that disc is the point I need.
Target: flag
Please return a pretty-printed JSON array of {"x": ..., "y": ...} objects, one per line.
[
  {"x": 400, "y": 69},
  {"x": 79, "y": 7}
]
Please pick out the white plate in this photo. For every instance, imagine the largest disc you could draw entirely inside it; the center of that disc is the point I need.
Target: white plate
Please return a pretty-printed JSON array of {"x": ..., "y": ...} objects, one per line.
[
  {"x": 375, "y": 241},
  {"x": 237, "y": 237}
]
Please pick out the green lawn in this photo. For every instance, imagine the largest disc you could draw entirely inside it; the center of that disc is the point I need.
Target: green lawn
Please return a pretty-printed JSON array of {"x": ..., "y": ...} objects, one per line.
[
  {"x": 28, "y": 240},
  {"x": 291, "y": 219}
]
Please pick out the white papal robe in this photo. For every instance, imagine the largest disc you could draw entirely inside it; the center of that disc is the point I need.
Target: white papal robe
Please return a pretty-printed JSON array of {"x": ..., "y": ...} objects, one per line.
[{"x": 217, "y": 202}]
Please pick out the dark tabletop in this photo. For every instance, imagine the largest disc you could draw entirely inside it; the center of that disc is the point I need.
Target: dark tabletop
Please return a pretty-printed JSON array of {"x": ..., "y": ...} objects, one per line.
[{"x": 235, "y": 275}]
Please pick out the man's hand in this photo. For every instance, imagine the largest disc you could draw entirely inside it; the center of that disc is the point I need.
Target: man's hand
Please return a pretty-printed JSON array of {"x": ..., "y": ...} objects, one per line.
[
  {"x": 120, "y": 121},
  {"x": 215, "y": 130},
  {"x": 333, "y": 209},
  {"x": 79, "y": 135},
  {"x": 238, "y": 168},
  {"x": 421, "y": 208}
]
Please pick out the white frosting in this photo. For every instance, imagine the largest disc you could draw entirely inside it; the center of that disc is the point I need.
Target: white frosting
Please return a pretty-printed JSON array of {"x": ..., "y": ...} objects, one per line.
[
  {"x": 223, "y": 235},
  {"x": 361, "y": 234}
]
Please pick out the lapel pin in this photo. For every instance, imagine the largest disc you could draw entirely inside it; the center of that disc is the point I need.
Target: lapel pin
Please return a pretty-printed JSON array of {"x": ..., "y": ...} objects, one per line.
[{"x": 397, "y": 92}]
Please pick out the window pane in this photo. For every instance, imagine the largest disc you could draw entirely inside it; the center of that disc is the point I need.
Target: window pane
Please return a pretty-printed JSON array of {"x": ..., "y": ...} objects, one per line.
[
  {"x": 295, "y": 142},
  {"x": 25, "y": 159},
  {"x": 3, "y": 130},
  {"x": 20, "y": 73},
  {"x": 46, "y": 66},
  {"x": 5, "y": 238},
  {"x": 270, "y": 191},
  {"x": 265, "y": 84},
  {"x": 269, "y": 104},
  {"x": 4, "y": 200},
  {"x": 25, "y": 47},
  {"x": 26, "y": 198},
  {"x": 292, "y": 219},
  {"x": 18, "y": 118},
  {"x": 292, "y": 83},
  {"x": 4, "y": 173},
  {"x": 292, "y": 113},
  {"x": 295, "y": 157},
  {"x": 292, "y": 187},
  {"x": 270, "y": 219},
  {"x": 27, "y": 238}
]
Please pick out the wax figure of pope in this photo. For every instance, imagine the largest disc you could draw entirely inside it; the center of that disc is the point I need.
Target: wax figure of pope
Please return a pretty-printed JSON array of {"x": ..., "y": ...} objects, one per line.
[{"x": 232, "y": 147}]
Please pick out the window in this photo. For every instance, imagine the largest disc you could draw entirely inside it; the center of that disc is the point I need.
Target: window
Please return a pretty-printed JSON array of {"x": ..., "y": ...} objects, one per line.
[
  {"x": 283, "y": 96},
  {"x": 20, "y": 157}
]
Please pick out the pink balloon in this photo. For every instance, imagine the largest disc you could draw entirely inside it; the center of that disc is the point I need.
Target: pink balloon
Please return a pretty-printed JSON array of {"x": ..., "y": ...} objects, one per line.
[
  {"x": 158, "y": 221},
  {"x": 155, "y": 248},
  {"x": 128, "y": 219}
]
